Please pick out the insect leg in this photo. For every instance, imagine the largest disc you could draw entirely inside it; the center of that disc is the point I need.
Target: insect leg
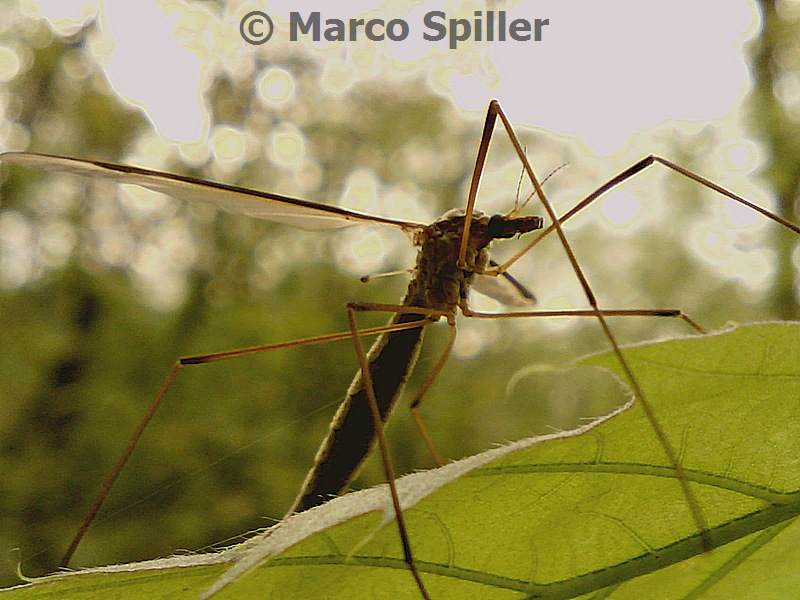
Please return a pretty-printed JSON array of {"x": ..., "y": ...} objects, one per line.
[
  {"x": 176, "y": 368},
  {"x": 388, "y": 469},
  {"x": 632, "y": 171},
  {"x": 695, "y": 510}
]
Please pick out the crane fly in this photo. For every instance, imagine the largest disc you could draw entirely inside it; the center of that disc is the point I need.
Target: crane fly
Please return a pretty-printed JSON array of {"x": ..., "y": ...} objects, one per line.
[{"x": 452, "y": 256}]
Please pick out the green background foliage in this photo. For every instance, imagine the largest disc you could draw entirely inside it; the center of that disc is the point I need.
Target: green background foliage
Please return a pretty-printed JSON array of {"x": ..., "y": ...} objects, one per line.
[
  {"x": 86, "y": 341},
  {"x": 598, "y": 514}
]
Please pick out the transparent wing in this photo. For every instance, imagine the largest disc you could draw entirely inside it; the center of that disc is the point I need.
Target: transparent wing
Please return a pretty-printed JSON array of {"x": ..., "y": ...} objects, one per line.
[
  {"x": 302, "y": 214},
  {"x": 504, "y": 288}
]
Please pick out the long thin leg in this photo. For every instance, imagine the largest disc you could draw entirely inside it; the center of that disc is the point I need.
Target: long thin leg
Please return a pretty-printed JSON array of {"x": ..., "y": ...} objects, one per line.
[
  {"x": 388, "y": 469},
  {"x": 173, "y": 373},
  {"x": 477, "y": 171},
  {"x": 631, "y": 172},
  {"x": 433, "y": 373},
  {"x": 415, "y": 402},
  {"x": 577, "y": 312},
  {"x": 495, "y": 111},
  {"x": 423, "y": 389},
  {"x": 351, "y": 434},
  {"x": 109, "y": 483},
  {"x": 625, "y": 312}
]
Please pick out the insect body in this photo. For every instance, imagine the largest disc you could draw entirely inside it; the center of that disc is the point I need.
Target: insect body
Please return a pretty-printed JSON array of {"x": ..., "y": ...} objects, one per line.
[{"x": 440, "y": 286}]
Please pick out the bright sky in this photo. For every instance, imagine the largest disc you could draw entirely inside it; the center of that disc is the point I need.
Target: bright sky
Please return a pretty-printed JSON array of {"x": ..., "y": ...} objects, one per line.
[{"x": 602, "y": 71}]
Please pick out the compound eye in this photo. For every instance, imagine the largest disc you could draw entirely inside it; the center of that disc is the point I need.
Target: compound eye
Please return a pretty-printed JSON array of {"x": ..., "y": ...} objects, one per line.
[{"x": 498, "y": 227}]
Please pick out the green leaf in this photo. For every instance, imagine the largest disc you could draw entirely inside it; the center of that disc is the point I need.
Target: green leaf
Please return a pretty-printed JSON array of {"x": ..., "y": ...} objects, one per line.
[{"x": 593, "y": 513}]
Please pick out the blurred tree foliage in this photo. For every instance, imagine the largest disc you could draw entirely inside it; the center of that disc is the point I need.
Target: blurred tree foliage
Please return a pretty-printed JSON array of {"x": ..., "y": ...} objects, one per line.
[
  {"x": 86, "y": 347},
  {"x": 775, "y": 114}
]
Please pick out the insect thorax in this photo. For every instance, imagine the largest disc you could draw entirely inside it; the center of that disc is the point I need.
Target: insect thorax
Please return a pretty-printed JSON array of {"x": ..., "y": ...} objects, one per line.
[{"x": 439, "y": 283}]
